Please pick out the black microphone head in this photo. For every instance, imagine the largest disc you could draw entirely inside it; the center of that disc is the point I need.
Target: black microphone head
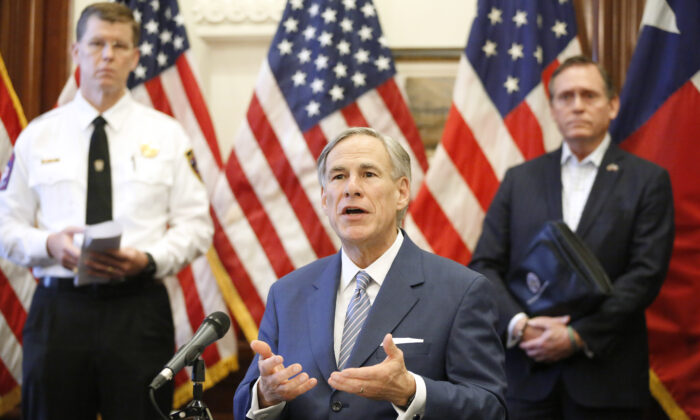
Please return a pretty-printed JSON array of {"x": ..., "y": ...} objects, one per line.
[
  {"x": 212, "y": 328},
  {"x": 220, "y": 321}
]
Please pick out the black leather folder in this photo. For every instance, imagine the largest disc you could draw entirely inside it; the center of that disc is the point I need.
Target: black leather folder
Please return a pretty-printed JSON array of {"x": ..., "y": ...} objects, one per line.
[{"x": 559, "y": 275}]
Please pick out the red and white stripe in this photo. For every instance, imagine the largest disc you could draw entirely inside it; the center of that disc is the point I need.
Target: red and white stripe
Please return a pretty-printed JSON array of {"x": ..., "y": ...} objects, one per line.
[
  {"x": 477, "y": 148},
  {"x": 17, "y": 286},
  {"x": 16, "y": 283},
  {"x": 268, "y": 197}
]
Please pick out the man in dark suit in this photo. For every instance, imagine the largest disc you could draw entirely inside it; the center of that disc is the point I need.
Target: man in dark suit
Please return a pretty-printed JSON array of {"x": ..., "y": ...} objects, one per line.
[
  {"x": 382, "y": 329},
  {"x": 596, "y": 366}
]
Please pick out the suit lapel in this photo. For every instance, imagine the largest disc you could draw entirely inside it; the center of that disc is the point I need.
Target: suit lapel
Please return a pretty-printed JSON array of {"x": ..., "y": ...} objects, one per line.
[
  {"x": 609, "y": 172},
  {"x": 552, "y": 175},
  {"x": 395, "y": 299},
  {"x": 320, "y": 311}
]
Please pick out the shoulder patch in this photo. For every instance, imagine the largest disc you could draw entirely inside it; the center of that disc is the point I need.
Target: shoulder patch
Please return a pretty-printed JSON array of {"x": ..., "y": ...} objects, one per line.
[
  {"x": 5, "y": 179},
  {"x": 193, "y": 163}
]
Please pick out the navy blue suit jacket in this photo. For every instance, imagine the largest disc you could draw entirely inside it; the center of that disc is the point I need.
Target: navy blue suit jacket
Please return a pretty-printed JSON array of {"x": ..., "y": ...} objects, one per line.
[
  {"x": 628, "y": 224},
  {"x": 423, "y": 296}
]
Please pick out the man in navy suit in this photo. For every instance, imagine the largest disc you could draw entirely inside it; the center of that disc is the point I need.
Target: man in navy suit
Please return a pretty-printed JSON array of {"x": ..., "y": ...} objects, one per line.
[
  {"x": 423, "y": 343},
  {"x": 596, "y": 366}
]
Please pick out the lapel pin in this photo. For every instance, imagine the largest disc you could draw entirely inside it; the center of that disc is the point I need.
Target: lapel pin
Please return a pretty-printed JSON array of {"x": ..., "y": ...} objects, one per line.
[
  {"x": 612, "y": 167},
  {"x": 99, "y": 165}
]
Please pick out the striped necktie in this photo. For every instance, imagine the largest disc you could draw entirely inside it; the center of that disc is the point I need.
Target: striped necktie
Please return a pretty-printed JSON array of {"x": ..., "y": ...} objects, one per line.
[{"x": 355, "y": 317}]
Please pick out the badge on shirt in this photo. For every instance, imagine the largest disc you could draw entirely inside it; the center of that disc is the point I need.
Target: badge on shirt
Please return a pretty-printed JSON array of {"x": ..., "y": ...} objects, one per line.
[
  {"x": 193, "y": 163},
  {"x": 5, "y": 179},
  {"x": 149, "y": 151}
]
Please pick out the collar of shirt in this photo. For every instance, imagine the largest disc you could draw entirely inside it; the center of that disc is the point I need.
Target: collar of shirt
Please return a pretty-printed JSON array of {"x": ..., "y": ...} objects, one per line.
[
  {"x": 377, "y": 270},
  {"x": 115, "y": 115},
  {"x": 595, "y": 157}
]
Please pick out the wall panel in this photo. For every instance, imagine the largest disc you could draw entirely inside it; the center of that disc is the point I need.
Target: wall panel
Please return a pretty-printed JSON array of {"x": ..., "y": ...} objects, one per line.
[{"x": 34, "y": 46}]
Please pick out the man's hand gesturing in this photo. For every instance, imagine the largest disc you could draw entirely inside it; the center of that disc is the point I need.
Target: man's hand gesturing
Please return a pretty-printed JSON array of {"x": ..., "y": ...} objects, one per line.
[{"x": 278, "y": 383}]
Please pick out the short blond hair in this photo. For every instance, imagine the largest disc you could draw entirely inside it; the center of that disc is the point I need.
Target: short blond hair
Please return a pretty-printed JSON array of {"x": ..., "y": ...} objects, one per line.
[{"x": 110, "y": 12}]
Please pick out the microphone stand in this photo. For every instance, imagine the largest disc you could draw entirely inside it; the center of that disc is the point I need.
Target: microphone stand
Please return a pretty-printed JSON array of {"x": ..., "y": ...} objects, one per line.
[{"x": 196, "y": 409}]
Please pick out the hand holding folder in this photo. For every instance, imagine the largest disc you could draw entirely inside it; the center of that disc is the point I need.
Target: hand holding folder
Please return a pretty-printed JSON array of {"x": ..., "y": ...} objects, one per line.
[{"x": 559, "y": 275}]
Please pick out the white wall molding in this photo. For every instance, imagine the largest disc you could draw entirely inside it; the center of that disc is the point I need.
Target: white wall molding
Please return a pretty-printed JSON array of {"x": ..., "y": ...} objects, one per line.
[
  {"x": 237, "y": 11},
  {"x": 228, "y": 20}
]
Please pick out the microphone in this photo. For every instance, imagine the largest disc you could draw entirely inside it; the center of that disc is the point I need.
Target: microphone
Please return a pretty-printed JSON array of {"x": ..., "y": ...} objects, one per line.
[{"x": 212, "y": 328}]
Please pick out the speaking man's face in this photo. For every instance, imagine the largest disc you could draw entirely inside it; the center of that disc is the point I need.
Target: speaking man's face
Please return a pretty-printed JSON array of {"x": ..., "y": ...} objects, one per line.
[{"x": 360, "y": 197}]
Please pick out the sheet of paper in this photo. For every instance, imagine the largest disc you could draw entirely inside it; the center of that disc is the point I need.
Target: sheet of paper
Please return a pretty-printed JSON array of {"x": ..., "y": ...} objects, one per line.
[{"x": 96, "y": 238}]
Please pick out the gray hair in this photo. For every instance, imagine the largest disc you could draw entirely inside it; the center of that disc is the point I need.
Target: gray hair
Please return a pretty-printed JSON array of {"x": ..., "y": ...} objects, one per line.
[
  {"x": 582, "y": 60},
  {"x": 400, "y": 160}
]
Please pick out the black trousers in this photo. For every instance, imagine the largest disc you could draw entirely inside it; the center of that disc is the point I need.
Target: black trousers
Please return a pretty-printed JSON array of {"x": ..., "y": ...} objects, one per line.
[
  {"x": 94, "y": 350},
  {"x": 559, "y": 405}
]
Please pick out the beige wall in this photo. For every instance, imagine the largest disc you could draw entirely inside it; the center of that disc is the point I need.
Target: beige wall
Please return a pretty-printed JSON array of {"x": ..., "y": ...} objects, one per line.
[{"x": 230, "y": 38}]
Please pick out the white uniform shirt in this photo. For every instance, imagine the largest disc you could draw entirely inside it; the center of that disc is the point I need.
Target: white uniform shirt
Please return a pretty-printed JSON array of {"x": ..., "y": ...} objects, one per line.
[{"x": 158, "y": 199}]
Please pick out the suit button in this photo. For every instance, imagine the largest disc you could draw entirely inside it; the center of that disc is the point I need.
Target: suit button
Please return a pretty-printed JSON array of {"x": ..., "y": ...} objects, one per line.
[{"x": 336, "y": 406}]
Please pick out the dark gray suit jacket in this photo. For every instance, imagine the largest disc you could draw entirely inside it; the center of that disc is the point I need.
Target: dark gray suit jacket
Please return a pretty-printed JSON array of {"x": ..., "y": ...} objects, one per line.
[
  {"x": 628, "y": 224},
  {"x": 423, "y": 296}
]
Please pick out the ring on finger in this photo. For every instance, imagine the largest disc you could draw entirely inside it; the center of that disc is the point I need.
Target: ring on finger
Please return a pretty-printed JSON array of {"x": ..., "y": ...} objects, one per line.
[{"x": 362, "y": 390}]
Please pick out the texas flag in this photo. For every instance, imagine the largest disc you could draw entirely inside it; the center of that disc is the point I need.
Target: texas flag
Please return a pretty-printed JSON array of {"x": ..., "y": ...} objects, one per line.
[{"x": 660, "y": 121}]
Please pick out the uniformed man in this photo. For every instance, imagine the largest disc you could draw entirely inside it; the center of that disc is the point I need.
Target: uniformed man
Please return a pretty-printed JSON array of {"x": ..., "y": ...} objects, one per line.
[{"x": 94, "y": 349}]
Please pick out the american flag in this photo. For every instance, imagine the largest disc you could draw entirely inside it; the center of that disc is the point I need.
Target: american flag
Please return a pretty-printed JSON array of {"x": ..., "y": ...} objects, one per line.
[
  {"x": 328, "y": 68},
  {"x": 499, "y": 117},
  {"x": 165, "y": 80},
  {"x": 658, "y": 121},
  {"x": 16, "y": 283}
]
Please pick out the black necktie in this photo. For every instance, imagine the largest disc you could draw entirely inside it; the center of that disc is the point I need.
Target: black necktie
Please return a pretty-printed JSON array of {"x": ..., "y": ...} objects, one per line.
[{"x": 99, "y": 190}]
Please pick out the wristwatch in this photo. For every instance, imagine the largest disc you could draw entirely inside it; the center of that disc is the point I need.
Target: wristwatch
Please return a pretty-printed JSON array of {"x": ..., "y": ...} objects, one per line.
[
  {"x": 150, "y": 269},
  {"x": 408, "y": 403},
  {"x": 520, "y": 332}
]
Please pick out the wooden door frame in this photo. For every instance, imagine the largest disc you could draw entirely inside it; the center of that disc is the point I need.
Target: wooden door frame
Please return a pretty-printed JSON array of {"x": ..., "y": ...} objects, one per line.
[{"x": 34, "y": 42}]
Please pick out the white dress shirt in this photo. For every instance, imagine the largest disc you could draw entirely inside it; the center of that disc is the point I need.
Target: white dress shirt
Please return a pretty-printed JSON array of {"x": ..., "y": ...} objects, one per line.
[
  {"x": 377, "y": 271},
  {"x": 577, "y": 179},
  {"x": 158, "y": 199}
]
